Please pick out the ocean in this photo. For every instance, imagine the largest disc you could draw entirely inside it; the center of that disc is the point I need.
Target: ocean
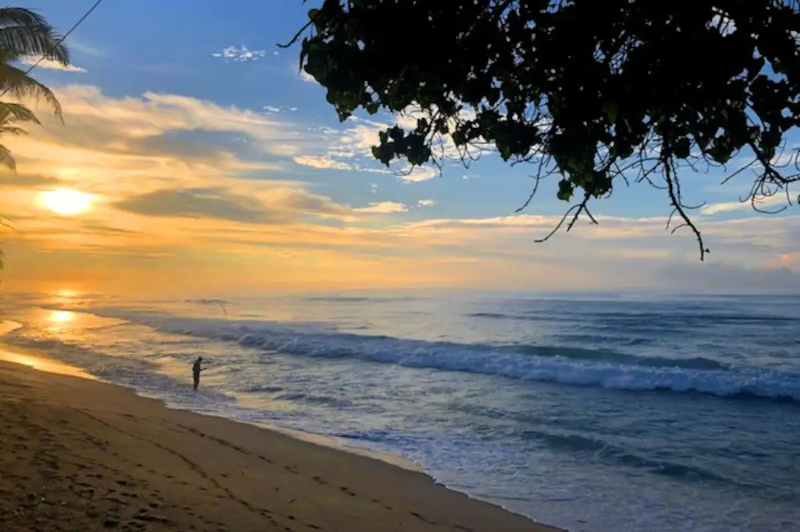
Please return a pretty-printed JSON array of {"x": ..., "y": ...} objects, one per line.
[{"x": 592, "y": 412}]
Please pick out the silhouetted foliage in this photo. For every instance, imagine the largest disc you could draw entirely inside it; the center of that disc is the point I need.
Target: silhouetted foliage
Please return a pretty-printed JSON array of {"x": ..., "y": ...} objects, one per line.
[
  {"x": 24, "y": 33},
  {"x": 594, "y": 92}
]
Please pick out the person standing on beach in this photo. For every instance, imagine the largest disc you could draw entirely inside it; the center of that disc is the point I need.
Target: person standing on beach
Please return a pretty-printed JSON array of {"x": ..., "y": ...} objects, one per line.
[{"x": 196, "y": 369}]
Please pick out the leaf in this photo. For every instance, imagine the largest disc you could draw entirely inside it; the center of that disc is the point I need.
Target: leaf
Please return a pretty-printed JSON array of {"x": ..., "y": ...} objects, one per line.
[
  {"x": 682, "y": 147},
  {"x": 610, "y": 109},
  {"x": 565, "y": 190}
]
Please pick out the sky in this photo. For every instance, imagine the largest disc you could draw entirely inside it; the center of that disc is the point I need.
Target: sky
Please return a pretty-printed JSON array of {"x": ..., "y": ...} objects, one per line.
[{"x": 201, "y": 161}]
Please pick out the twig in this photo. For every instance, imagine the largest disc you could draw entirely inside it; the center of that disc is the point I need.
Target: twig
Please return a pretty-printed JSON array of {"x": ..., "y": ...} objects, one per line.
[
  {"x": 557, "y": 227},
  {"x": 676, "y": 202}
]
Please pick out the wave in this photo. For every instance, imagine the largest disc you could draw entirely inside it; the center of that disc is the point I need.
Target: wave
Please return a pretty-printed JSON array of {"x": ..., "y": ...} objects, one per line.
[
  {"x": 645, "y": 319},
  {"x": 565, "y": 365},
  {"x": 208, "y": 301},
  {"x": 621, "y": 358},
  {"x": 577, "y": 443},
  {"x": 360, "y": 299},
  {"x": 519, "y": 317}
]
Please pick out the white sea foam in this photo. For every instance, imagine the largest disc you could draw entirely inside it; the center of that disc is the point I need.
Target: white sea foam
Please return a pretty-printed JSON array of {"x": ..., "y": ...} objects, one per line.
[{"x": 566, "y": 365}]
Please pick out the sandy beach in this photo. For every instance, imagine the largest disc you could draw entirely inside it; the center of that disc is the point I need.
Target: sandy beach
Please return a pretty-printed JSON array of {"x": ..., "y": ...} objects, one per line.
[{"x": 79, "y": 454}]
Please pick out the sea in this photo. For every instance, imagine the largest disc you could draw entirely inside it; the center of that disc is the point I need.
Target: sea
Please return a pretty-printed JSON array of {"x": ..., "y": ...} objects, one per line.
[{"x": 592, "y": 412}]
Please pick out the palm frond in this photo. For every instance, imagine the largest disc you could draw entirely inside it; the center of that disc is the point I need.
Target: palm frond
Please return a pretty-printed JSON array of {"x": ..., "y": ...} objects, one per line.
[
  {"x": 7, "y": 159},
  {"x": 19, "y": 16},
  {"x": 16, "y": 112},
  {"x": 37, "y": 41},
  {"x": 20, "y": 85},
  {"x": 12, "y": 130}
]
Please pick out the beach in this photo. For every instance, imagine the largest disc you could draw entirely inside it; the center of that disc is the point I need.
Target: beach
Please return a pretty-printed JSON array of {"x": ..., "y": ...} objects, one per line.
[{"x": 80, "y": 454}]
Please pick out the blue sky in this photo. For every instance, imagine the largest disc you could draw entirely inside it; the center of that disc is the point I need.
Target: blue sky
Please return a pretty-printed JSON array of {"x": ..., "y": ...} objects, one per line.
[{"x": 203, "y": 77}]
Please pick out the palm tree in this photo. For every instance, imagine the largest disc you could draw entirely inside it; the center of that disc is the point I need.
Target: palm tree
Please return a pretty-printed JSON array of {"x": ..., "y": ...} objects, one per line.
[{"x": 24, "y": 33}]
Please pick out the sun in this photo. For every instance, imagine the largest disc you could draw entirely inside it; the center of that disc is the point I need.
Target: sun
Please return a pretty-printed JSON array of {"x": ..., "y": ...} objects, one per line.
[
  {"x": 66, "y": 201},
  {"x": 61, "y": 316}
]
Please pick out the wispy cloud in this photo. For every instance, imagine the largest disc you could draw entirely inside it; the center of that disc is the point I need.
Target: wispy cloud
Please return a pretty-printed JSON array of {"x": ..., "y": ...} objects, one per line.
[
  {"x": 200, "y": 203},
  {"x": 321, "y": 162},
  {"x": 20, "y": 179},
  {"x": 351, "y": 149},
  {"x": 770, "y": 203},
  {"x": 241, "y": 54},
  {"x": 305, "y": 76},
  {"x": 418, "y": 174},
  {"x": 51, "y": 65},
  {"x": 426, "y": 203},
  {"x": 279, "y": 109},
  {"x": 81, "y": 47},
  {"x": 383, "y": 207}
]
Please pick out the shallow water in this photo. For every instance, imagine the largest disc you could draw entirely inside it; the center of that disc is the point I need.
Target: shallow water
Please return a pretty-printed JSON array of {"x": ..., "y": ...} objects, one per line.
[{"x": 589, "y": 412}]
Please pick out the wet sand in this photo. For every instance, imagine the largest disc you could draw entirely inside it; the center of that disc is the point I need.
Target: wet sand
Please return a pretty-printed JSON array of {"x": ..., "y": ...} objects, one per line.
[{"x": 82, "y": 455}]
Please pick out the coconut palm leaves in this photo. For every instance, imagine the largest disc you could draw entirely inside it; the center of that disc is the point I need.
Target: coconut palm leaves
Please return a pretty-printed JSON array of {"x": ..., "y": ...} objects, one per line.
[
  {"x": 11, "y": 114},
  {"x": 24, "y": 33}
]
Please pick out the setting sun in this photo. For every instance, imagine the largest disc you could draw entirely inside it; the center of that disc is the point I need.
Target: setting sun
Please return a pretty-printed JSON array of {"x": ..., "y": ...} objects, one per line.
[
  {"x": 61, "y": 316},
  {"x": 65, "y": 201}
]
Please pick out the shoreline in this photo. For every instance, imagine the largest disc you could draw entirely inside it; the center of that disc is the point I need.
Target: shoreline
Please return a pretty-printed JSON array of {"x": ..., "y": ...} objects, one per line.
[{"x": 399, "y": 498}]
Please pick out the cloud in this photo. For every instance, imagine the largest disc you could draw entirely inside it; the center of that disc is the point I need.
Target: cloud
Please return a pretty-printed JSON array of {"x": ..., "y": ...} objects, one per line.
[
  {"x": 240, "y": 54},
  {"x": 272, "y": 206},
  {"x": 418, "y": 174},
  {"x": 722, "y": 277},
  {"x": 306, "y": 77},
  {"x": 49, "y": 64},
  {"x": 279, "y": 109},
  {"x": 75, "y": 44},
  {"x": 198, "y": 203},
  {"x": 351, "y": 148},
  {"x": 426, "y": 203},
  {"x": 384, "y": 207},
  {"x": 302, "y": 201},
  {"x": 771, "y": 203},
  {"x": 15, "y": 179},
  {"x": 140, "y": 134},
  {"x": 321, "y": 162}
]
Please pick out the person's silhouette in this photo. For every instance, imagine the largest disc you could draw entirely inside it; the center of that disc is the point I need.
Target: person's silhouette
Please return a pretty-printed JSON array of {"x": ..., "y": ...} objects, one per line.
[{"x": 196, "y": 369}]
